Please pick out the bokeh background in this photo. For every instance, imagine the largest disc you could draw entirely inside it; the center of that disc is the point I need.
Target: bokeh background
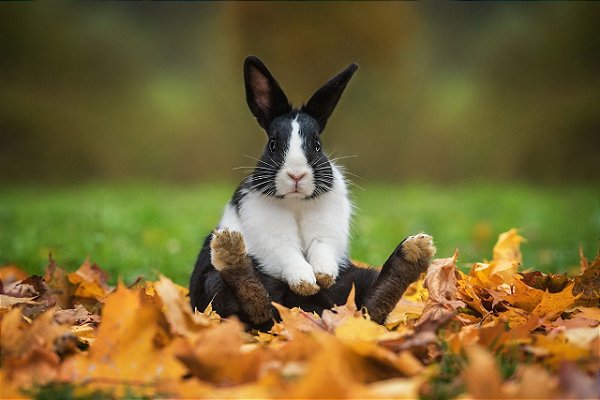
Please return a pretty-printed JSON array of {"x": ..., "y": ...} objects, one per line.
[{"x": 463, "y": 120}]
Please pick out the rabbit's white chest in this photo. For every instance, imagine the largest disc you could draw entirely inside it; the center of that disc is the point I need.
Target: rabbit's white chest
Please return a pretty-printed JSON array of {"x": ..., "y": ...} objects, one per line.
[{"x": 290, "y": 236}]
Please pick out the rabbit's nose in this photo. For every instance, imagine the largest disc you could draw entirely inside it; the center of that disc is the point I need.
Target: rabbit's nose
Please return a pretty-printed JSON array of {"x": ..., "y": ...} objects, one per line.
[{"x": 297, "y": 178}]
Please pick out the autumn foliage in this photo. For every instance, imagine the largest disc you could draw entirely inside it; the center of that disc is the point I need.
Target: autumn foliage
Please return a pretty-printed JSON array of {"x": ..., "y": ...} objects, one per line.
[{"x": 494, "y": 332}]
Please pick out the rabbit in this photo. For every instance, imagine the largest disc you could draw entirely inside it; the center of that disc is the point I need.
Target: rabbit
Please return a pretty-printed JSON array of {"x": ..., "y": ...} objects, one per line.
[{"x": 284, "y": 235}]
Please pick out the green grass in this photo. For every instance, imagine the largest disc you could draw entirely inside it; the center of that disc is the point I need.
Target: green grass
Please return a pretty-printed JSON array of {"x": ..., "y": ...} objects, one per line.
[{"x": 147, "y": 229}]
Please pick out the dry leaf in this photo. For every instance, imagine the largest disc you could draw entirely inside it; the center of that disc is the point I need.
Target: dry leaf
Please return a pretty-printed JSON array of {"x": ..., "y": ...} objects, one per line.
[
  {"x": 481, "y": 376},
  {"x": 442, "y": 285},
  {"x": 182, "y": 320},
  {"x": 588, "y": 284},
  {"x": 507, "y": 248},
  {"x": 148, "y": 342}
]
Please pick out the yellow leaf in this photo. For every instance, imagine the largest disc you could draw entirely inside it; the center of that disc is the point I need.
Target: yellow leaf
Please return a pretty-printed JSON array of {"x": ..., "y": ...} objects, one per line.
[
  {"x": 11, "y": 273},
  {"x": 397, "y": 388},
  {"x": 90, "y": 281},
  {"x": 218, "y": 355},
  {"x": 404, "y": 311},
  {"x": 554, "y": 304},
  {"x": 507, "y": 248},
  {"x": 177, "y": 310},
  {"x": 19, "y": 337},
  {"x": 360, "y": 329},
  {"x": 524, "y": 296},
  {"x": 130, "y": 345},
  {"x": 558, "y": 348}
]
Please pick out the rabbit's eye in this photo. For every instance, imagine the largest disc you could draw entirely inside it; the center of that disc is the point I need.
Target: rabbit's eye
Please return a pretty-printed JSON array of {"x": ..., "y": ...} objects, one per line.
[
  {"x": 272, "y": 144},
  {"x": 317, "y": 145}
]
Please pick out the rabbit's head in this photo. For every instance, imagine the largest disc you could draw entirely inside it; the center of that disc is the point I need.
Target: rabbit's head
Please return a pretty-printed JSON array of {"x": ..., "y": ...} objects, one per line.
[{"x": 293, "y": 164}]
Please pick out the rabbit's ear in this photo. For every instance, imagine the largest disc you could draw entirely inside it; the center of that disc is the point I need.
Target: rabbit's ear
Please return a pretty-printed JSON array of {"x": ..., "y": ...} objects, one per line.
[
  {"x": 263, "y": 94},
  {"x": 323, "y": 102}
]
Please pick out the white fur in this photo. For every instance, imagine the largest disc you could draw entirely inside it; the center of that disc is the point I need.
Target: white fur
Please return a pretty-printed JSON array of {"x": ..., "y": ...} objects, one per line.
[
  {"x": 295, "y": 164},
  {"x": 294, "y": 238}
]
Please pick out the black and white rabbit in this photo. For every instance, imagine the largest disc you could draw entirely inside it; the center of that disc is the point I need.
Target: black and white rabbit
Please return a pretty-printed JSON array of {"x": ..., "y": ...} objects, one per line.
[{"x": 284, "y": 235}]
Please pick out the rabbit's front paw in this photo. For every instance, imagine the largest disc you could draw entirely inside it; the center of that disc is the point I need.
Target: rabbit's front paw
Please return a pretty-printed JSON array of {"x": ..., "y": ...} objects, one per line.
[
  {"x": 303, "y": 284},
  {"x": 305, "y": 288},
  {"x": 325, "y": 281},
  {"x": 324, "y": 265},
  {"x": 325, "y": 274},
  {"x": 227, "y": 249},
  {"x": 418, "y": 248}
]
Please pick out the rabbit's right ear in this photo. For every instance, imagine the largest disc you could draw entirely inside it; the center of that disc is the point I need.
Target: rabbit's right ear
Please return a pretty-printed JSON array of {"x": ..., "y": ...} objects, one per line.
[{"x": 263, "y": 94}]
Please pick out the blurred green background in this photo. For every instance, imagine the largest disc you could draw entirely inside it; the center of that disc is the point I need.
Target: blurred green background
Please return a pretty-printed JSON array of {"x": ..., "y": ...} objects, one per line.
[{"x": 121, "y": 123}]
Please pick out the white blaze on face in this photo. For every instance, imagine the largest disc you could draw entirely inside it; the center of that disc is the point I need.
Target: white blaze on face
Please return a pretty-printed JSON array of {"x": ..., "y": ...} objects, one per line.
[{"x": 296, "y": 165}]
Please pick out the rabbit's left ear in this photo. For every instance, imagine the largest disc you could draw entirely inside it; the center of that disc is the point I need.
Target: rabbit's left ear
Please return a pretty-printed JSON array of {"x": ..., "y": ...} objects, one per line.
[
  {"x": 323, "y": 102},
  {"x": 263, "y": 94}
]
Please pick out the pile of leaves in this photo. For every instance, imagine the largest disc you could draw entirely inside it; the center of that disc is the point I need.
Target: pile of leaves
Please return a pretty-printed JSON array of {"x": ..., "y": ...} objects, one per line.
[{"x": 493, "y": 332}]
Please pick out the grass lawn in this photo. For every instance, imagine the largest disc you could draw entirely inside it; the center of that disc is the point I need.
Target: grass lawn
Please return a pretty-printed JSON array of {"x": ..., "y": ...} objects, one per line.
[{"x": 133, "y": 230}]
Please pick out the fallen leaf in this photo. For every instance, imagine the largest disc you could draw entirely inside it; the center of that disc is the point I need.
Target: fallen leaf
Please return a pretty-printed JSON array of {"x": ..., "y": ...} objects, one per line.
[
  {"x": 575, "y": 384},
  {"x": 553, "y": 283},
  {"x": 508, "y": 247},
  {"x": 216, "y": 355},
  {"x": 89, "y": 281},
  {"x": 534, "y": 382},
  {"x": 554, "y": 304},
  {"x": 182, "y": 320},
  {"x": 11, "y": 273},
  {"x": 442, "y": 285},
  {"x": 144, "y": 341},
  {"x": 20, "y": 337},
  {"x": 76, "y": 316},
  {"x": 481, "y": 376},
  {"x": 588, "y": 284},
  {"x": 129, "y": 346}
]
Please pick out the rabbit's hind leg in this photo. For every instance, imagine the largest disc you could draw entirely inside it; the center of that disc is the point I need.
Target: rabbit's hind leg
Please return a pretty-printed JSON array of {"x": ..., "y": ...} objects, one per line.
[
  {"x": 410, "y": 258},
  {"x": 228, "y": 256}
]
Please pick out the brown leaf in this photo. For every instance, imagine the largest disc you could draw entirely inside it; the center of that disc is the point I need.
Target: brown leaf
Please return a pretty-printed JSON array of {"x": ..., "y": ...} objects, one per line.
[
  {"x": 56, "y": 278},
  {"x": 553, "y": 283},
  {"x": 588, "y": 284},
  {"x": 338, "y": 314},
  {"x": 481, "y": 376},
  {"x": 442, "y": 285},
  {"x": 76, "y": 316},
  {"x": 8, "y": 302},
  {"x": 583, "y": 261}
]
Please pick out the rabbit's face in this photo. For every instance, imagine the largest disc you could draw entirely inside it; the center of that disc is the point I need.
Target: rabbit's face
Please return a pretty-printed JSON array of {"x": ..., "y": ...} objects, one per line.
[{"x": 293, "y": 164}]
